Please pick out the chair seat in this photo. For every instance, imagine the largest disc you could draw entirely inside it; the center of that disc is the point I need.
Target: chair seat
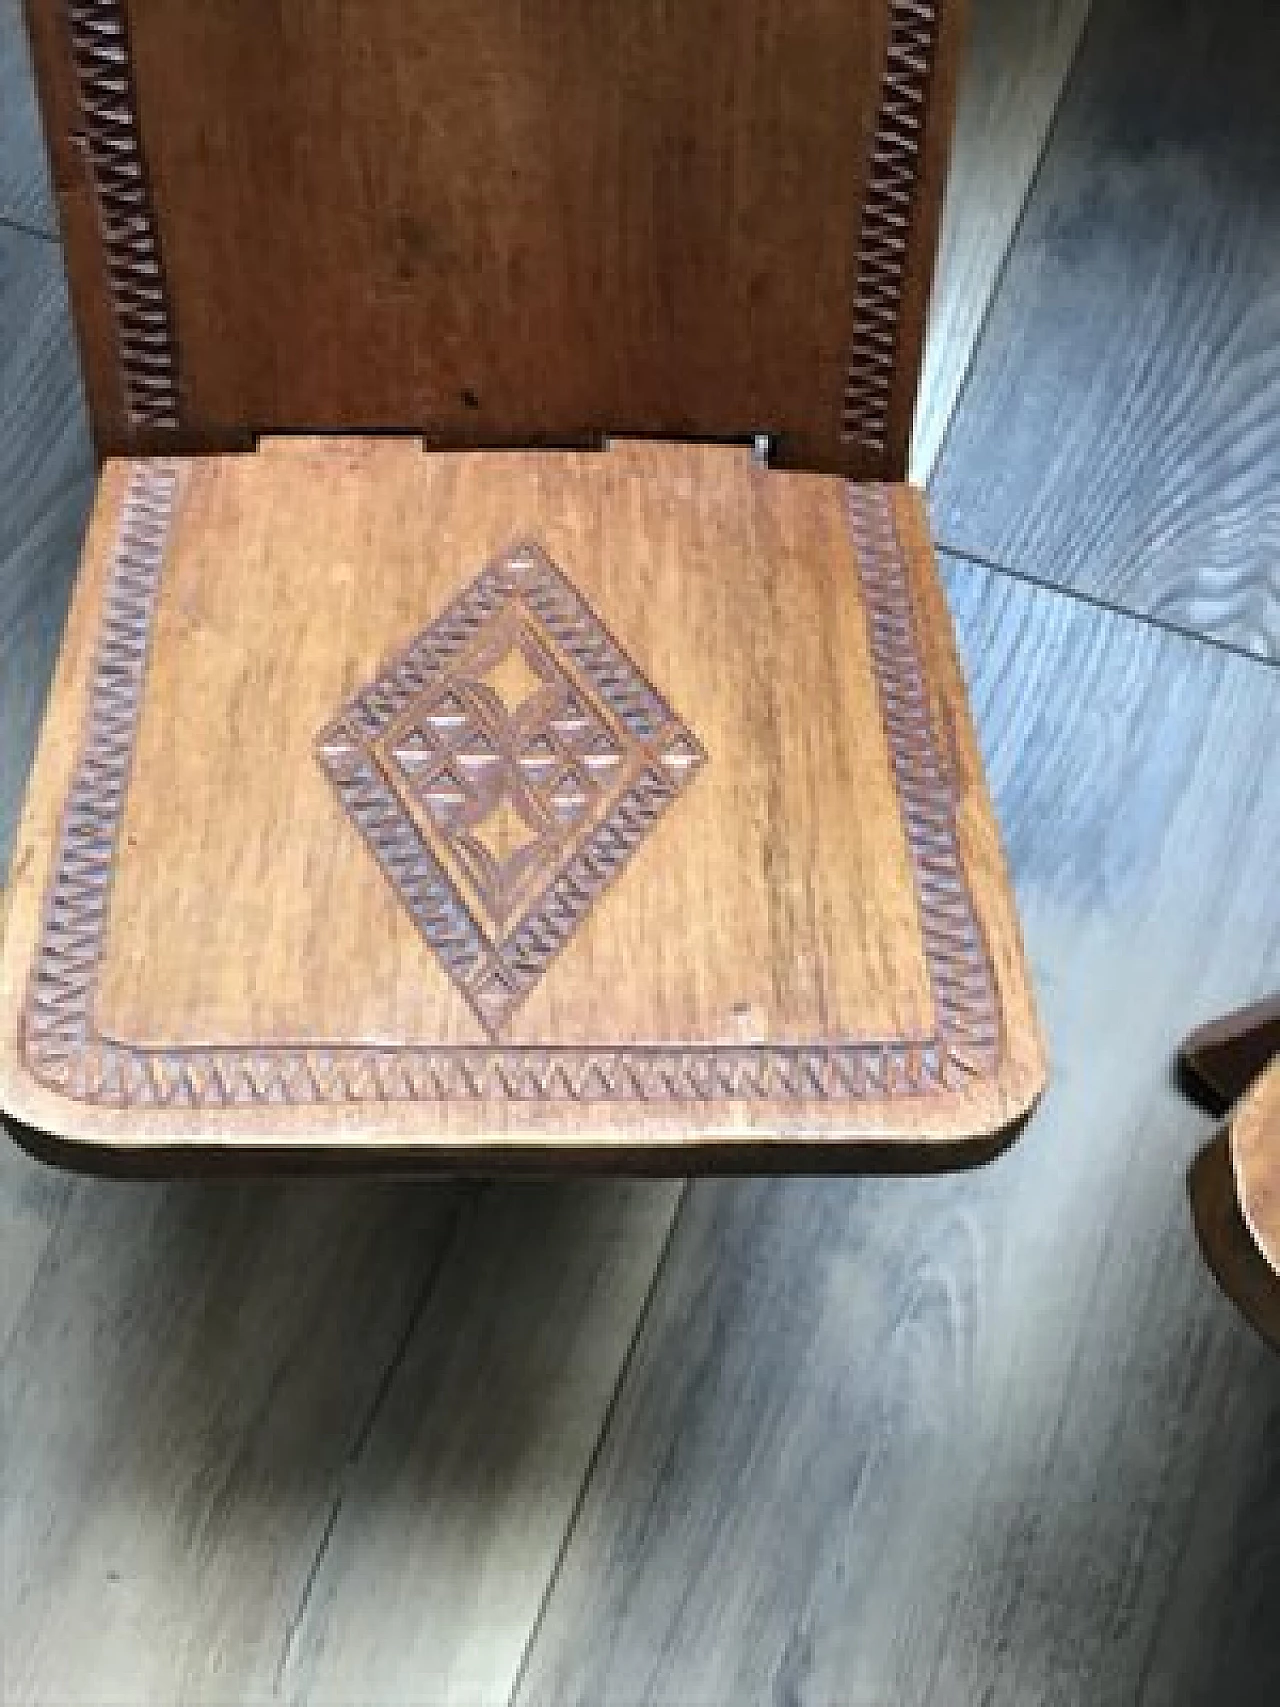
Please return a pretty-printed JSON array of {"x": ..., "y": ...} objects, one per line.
[{"x": 541, "y": 810}]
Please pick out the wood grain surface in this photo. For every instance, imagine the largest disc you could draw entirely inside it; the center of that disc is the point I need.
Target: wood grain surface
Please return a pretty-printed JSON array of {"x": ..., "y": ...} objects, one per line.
[
  {"x": 271, "y": 1412},
  {"x": 1016, "y": 59},
  {"x": 483, "y": 1445},
  {"x": 26, "y": 197},
  {"x": 1122, "y": 421},
  {"x": 995, "y": 1436},
  {"x": 848, "y": 956},
  {"x": 1255, "y": 1151},
  {"x": 1226, "y": 1242},
  {"x": 719, "y": 218},
  {"x": 218, "y": 1356}
]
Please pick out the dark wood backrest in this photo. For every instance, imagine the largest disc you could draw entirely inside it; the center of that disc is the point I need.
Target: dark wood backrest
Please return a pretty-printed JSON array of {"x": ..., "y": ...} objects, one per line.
[{"x": 501, "y": 221}]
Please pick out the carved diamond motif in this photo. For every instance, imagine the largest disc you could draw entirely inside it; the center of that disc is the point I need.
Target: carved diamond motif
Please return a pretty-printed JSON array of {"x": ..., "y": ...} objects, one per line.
[{"x": 503, "y": 770}]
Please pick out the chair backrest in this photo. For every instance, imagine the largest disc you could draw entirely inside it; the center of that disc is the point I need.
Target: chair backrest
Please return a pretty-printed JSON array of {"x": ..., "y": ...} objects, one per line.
[{"x": 501, "y": 221}]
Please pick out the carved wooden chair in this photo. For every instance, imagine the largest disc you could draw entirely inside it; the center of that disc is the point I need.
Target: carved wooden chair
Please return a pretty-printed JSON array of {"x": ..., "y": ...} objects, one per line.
[
  {"x": 1232, "y": 1067},
  {"x": 508, "y": 715}
]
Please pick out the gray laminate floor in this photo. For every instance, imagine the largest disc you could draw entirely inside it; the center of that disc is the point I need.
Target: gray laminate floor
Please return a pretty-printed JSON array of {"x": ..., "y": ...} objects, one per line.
[{"x": 992, "y": 1438}]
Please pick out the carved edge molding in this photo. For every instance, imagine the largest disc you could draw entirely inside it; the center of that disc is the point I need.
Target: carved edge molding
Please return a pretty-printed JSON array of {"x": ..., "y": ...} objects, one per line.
[
  {"x": 126, "y": 221},
  {"x": 960, "y": 975},
  {"x": 58, "y": 1022},
  {"x": 888, "y": 213},
  {"x": 66, "y": 1053}
]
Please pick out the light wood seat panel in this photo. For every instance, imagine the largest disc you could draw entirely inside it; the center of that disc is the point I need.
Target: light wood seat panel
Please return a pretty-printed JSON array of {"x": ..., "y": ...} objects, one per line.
[{"x": 408, "y": 810}]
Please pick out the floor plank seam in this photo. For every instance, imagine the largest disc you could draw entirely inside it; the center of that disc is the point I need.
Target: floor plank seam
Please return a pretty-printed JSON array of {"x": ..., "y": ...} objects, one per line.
[
  {"x": 295, "y": 1623},
  {"x": 48, "y": 1255},
  {"x": 469, "y": 1198},
  {"x": 1106, "y": 607},
  {"x": 602, "y": 1435},
  {"x": 993, "y": 294},
  {"x": 8, "y": 222}
]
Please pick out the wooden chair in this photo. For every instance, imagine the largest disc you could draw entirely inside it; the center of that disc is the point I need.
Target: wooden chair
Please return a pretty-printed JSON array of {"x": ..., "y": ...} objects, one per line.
[
  {"x": 509, "y": 716},
  {"x": 1232, "y": 1066}
]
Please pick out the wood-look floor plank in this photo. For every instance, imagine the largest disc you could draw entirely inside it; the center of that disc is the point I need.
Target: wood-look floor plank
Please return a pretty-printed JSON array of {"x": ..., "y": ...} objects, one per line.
[
  {"x": 322, "y": 1442},
  {"x": 990, "y": 1437},
  {"x": 1017, "y": 59},
  {"x": 46, "y": 477},
  {"x": 1120, "y": 430},
  {"x": 452, "y": 1524},
  {"x": 43, "y": 426},
  {"x": 26, "y": 195},
  {"x": 46, "y": 482},
  {"x": 186, "y": 1394}
]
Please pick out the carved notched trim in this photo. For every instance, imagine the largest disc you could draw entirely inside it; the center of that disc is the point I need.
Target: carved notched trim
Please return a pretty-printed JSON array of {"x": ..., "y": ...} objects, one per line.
[
  {"x": 146, "y": 357},
  {"x": 67, "y": 1053},
  {"x": 888, "y": 217},
  {"x": 59, "y": 1028},
  {"x": 960, "y": 974}
]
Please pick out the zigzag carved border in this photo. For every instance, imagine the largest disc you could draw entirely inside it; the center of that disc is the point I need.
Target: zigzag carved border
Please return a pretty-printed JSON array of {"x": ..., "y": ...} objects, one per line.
[
  {"x": 126, "y": 222},
  {"x": 960, "y": 975},
  {"x": 888, "y": 211},
  {"x": 65, "y": 1051}
]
